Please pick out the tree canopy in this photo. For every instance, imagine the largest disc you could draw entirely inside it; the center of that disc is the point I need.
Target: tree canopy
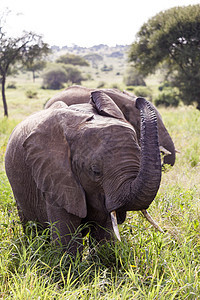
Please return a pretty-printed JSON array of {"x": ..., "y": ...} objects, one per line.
[
  {"x": 58, "y": 74},
  {"x": 173, "y": 37},
  {"x": 72, "y": 59},
  {"x": 16, "y": 50},
  {"x": 34, "y": 59}
]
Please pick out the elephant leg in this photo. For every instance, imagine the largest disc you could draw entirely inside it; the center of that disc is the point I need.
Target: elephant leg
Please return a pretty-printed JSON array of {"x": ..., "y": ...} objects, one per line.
[
  {"x": 101, "y": 233},
  {"x": 23, "y": 219},
  {"x": 64, "y": 229}
]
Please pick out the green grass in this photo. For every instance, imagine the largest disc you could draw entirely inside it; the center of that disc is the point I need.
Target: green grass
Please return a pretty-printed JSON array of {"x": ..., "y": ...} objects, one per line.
[{"x": 146, "y": 265}]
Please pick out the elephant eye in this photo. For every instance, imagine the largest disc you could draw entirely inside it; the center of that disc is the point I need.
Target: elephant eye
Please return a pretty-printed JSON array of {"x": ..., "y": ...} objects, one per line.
[
  {"x": 90, "y": 118},
  {"x": 95, "y": 170}
]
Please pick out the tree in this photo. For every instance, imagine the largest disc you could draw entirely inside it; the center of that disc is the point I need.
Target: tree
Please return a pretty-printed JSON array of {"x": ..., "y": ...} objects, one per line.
[
  {"x": 172, "y": 37},
  {"x": 74, "y": 75},
  {"x": 94, "y": 58},
  {"x": 133, "y": 77},
  {"x": 54, "y": 78},
  {"x": 34, "y": 59},
  {"x": 72, "y": 59},
  {"x": 58, "y": 74},
  {"x": 13, "y": 51}
]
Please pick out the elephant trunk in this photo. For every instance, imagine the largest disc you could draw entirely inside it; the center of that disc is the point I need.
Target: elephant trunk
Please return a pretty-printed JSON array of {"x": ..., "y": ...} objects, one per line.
[{"x": 143, "y": 189}]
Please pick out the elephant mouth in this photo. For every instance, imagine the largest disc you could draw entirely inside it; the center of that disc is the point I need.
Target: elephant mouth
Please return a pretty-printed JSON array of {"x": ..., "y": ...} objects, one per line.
[{"x": 121, "y": 216}]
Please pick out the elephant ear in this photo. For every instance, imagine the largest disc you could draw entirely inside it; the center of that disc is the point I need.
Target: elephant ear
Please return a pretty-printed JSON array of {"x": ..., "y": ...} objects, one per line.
[
  {"x": 48, "y": 156},
  {"x": 105, "y": 105}
]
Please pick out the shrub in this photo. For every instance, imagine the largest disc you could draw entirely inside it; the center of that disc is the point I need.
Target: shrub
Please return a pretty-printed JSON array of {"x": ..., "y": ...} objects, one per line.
[
  {"x": 54, "y": 78},
  {"x": 142, "y": 91},
  {"x": 164, "y": 85},
  {"x": 133, "y": 77},
  {"x": 101, "y": 84},
  {"x": 11, "y": 85},
  {"x": 115, "y": 86},
  {"x": 72, "y": 59},
  {"x": 74, "y": 75},
  {"x": 130, "y": 88},
  {"x": 106, "y": 68},
  {"x": 167, "y": 98},
  {"x": 31, "y": 94}
]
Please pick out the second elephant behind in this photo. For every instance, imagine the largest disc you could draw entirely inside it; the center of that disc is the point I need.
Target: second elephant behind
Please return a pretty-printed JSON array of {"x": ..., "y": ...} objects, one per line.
[{"x": 126, "y": 102}]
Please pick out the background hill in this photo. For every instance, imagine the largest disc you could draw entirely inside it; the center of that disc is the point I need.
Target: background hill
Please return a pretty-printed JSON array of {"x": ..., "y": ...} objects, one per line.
[{"x": 107, "y": 64}]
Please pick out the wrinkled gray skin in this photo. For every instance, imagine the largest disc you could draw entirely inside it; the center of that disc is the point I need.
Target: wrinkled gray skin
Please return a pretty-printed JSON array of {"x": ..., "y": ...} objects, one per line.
[
  {"x": 75, "y": 165},
  {"x": 126, "y": 102}
]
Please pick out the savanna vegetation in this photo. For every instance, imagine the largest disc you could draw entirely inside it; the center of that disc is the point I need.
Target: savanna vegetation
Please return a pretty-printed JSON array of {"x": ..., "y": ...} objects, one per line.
[
  {"x": 172, "y": 38},
  {"x": 146, "y": 264}
]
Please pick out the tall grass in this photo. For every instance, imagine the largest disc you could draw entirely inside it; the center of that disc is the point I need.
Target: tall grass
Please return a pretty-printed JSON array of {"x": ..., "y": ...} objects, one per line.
[{"x": 145, "y": 265}]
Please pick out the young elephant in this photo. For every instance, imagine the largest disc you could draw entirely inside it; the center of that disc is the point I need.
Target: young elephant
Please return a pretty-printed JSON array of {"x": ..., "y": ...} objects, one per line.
[{"x": 83, "y": 164}]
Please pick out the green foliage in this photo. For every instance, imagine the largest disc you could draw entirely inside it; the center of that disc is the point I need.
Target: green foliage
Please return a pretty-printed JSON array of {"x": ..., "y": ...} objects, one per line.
[
  {"x": 71, "y": 59},
  {"x": 167, "y": 98},
  {"x": 164, "y": 85},
  {"x": 106, "y": 68},
  {"x": 193, "y": 153},
  {"x": 58, "y": 74},
  {"x": 172, "y": 36},
  {"x": 146, "y": 265},
  {"x": 31, "y": 94},
  {"x": 93, "y": 57},
  {"x": 143, "y": 91},
  {"x": 133, "y": 77},
  {"x": 11, "y": 85},
  {"x": 54, "y": 78},
  {"x": 74, "y": 75},
  {"x": 13, "y": 52},
  {"x": 34, "y": 58},
  {"x": 115, "y": 86},
  {"x": 101, "y": 85}
]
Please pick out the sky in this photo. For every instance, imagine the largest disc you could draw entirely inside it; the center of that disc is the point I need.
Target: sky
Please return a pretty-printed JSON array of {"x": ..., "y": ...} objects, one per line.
[{"x": 83, "y": 22}]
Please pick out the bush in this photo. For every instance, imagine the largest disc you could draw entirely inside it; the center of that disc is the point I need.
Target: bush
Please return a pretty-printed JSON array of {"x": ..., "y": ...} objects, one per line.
[
  {"x": 133, "y": 77},
  {"x": 54, "y": 78},
  {"x": 164, "y": 85},
  {"x": 101, "y": 85},
  {"x": 11, "y": 85},
  {"x": 106, "y": 68},
  {"x": 31, "y": 94},
  {"x": 115, "y": 86},
  {"x": 130, "y": 88},
  {"x": 72, "y": 59},
  {"x": 167, "y": 98},
  {"x": 142, "y": 91},
  {"x": 73, "y": 74}
]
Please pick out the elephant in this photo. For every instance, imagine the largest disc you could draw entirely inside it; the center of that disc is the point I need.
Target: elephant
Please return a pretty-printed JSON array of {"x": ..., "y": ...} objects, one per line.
[
  {"x": 126, "y": 102},
  {"x": 82, "y": 164}
]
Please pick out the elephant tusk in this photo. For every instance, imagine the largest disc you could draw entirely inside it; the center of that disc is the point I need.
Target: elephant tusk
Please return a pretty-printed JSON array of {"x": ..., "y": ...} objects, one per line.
[
  {"x": 177, "y": 151},
  {"x": 114, "y": 224},
  {"x": 149, "y": 218},
  {"x": 164, "y": 150}
]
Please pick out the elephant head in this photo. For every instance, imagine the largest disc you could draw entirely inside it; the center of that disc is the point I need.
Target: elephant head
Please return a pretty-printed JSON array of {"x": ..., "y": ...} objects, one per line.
[
  {"x": 126, "y": 102},
  {"x": 83, "y": 164}
]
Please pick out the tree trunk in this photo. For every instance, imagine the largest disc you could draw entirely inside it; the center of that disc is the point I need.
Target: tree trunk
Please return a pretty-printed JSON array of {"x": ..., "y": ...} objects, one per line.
[
  {"x": 33, "y": 76},
  {"x": 3, "y": 83}
]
